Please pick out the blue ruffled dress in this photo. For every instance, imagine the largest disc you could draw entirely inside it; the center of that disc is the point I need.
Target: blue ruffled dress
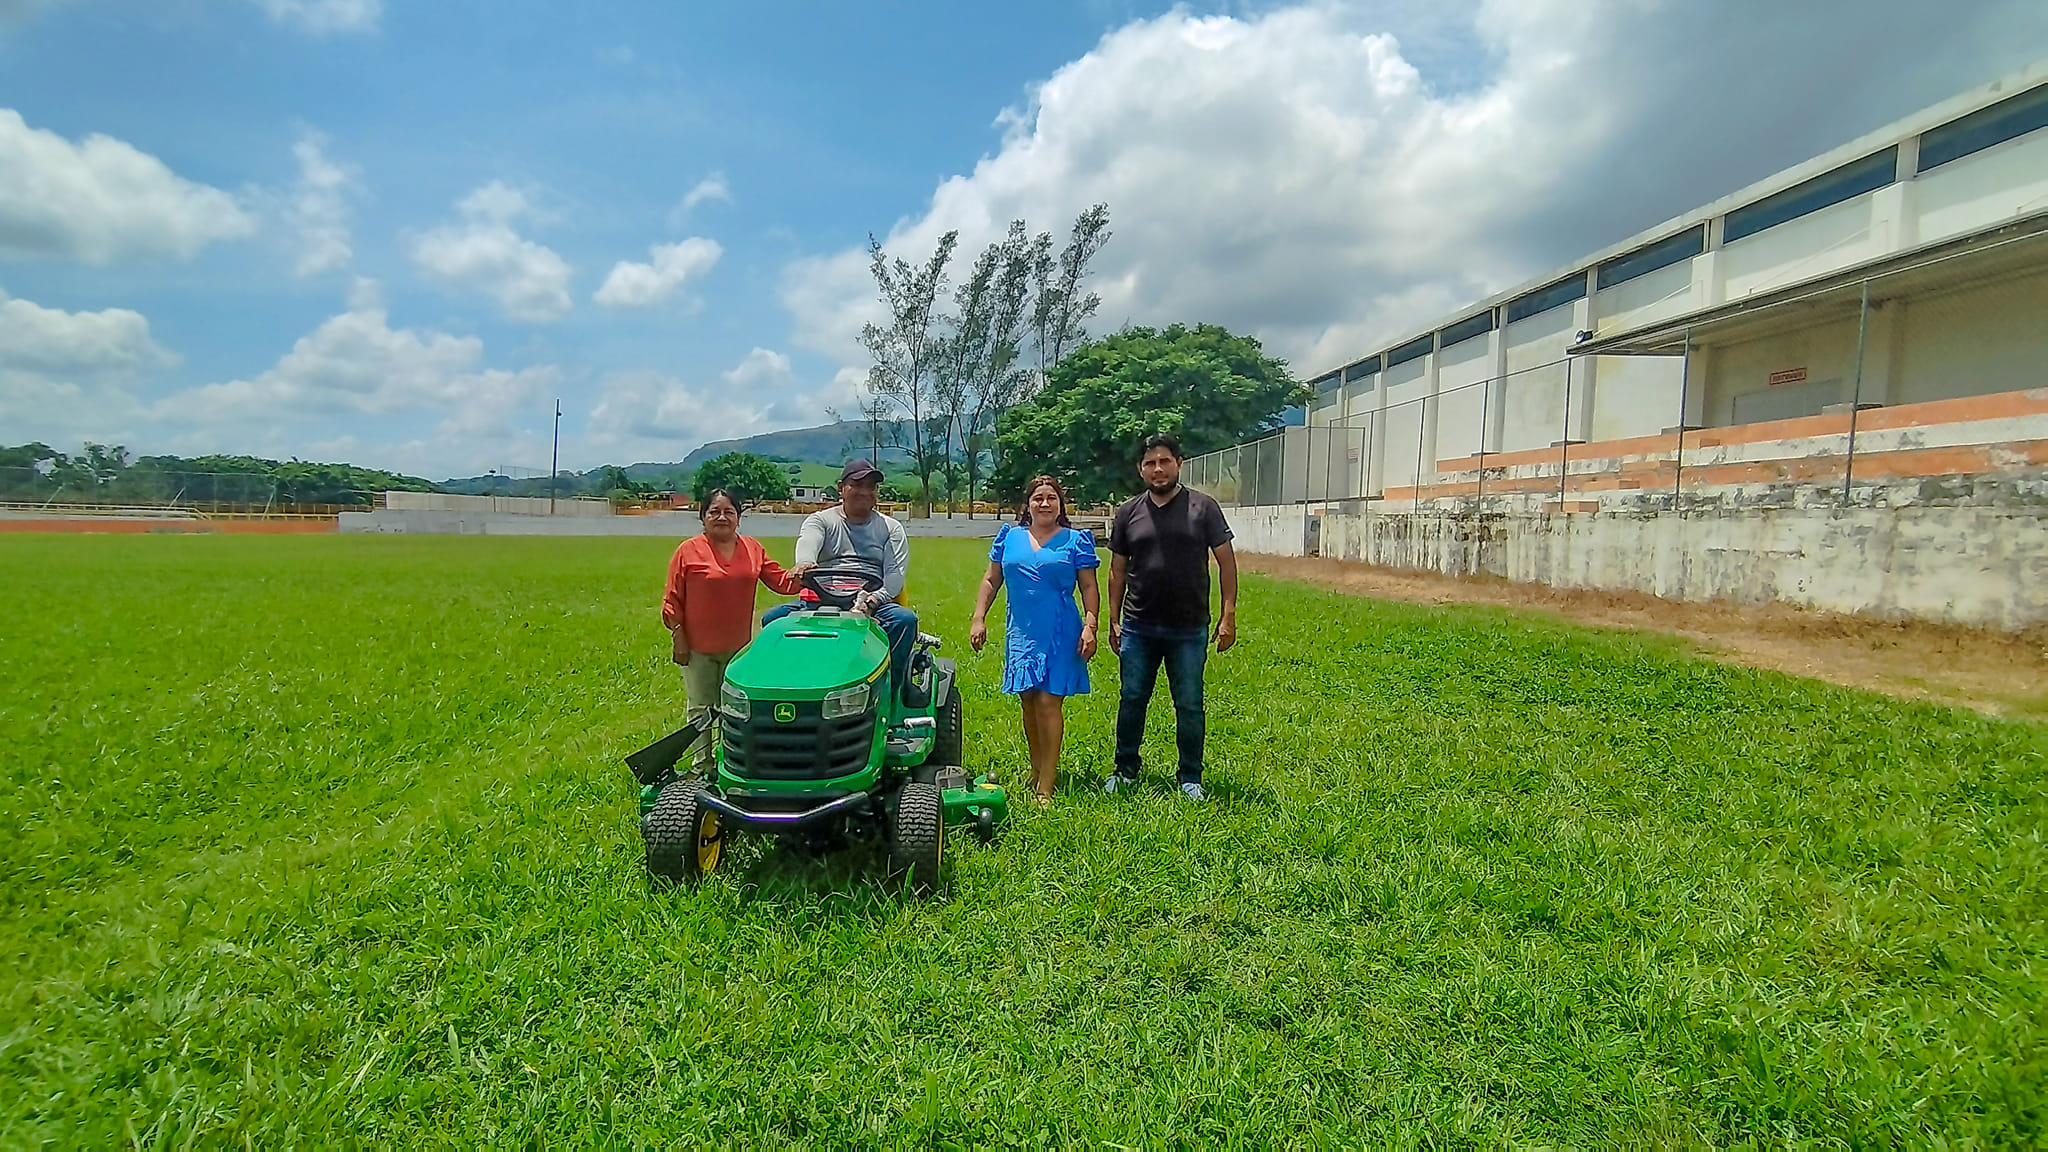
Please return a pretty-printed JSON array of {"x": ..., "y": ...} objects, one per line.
[{"x": 1044, "y": 629}]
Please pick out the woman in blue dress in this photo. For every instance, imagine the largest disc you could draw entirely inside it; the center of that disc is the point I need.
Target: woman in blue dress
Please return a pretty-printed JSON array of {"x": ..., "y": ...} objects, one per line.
[{"x": 1042, "y": 559}]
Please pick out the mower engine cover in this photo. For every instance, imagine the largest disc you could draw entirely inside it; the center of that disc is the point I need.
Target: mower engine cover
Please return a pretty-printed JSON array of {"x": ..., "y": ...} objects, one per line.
[{"x": 799, "y": 706}]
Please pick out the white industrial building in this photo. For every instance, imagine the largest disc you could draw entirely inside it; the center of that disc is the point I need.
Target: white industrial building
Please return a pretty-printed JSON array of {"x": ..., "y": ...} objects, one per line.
[{"x": 1876, "y": 316}]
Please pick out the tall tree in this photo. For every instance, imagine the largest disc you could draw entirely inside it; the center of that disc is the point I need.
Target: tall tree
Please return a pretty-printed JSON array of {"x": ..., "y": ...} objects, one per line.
[
  {"x": 1061, "y": 311},
  {"x": 1207, "y": 385},
  {"x": 1000, "y": 380},
  {"x": 908, "y": 351},
  {"x": 984, "y": 330}
]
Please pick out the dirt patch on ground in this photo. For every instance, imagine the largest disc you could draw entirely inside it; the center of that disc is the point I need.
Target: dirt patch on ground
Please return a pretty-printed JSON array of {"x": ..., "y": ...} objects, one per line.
[{"x": 1997, "y": 673}]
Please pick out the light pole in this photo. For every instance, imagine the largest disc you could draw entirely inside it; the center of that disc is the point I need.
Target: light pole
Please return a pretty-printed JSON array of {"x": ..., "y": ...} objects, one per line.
[{"x": 555, "y": 456}]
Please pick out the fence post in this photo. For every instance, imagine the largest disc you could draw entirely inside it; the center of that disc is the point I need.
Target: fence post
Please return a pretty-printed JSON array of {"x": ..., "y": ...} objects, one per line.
[
  {"x": 1485, "y": 420},
  {"x": 1421, "y": 434},
  {"x": 1856, "y": 391},
  {"x": 1308, "y": 458},
  {"x": 1684, "y": 399},
  {"x": 1564, "y": 439}
]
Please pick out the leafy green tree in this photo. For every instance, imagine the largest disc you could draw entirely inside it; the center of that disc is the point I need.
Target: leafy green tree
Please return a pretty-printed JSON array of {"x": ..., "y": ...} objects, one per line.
[
  {"x": 747, "y": 476},
  {"x": 616, "y": 484},
  {"x": 1208, "y": 386}
]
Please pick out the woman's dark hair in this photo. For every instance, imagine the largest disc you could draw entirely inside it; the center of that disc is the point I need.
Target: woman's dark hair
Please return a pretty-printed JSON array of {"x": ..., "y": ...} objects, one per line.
[
  {"x": 714, "y": 494},
  {"x": 1037, "y": 482},
  {"x": 1164, "y": 440}
]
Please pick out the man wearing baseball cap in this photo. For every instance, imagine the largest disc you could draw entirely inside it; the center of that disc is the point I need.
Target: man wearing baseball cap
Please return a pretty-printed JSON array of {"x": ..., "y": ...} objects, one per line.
[{"x": 855, "y": 528}]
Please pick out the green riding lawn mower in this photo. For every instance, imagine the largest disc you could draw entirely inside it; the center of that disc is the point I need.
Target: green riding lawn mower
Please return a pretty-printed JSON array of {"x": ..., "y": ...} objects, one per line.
[{"x": 813, "y": 747}]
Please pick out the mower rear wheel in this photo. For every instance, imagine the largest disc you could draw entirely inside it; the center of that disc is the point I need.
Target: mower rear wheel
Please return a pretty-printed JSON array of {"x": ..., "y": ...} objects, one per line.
[
  {"x": 917, "y": 838},
  {"x": 947, "y": 742},
  {"x": 685, "y": 836}
]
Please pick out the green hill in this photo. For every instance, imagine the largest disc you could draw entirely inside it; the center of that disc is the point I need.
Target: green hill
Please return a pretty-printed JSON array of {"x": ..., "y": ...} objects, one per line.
[
  {"x": 821, "y": 451},
  {"x": 832, "y": 444}
]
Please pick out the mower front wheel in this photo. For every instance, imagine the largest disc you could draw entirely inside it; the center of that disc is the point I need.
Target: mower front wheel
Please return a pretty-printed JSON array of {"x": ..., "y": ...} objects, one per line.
[
  {"x": 917, "y": 838},
  {"x": 685, "y": 836}
]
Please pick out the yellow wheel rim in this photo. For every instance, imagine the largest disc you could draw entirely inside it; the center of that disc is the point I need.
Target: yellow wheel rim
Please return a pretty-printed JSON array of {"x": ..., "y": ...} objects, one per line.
[{"x": 710, "y": 840}]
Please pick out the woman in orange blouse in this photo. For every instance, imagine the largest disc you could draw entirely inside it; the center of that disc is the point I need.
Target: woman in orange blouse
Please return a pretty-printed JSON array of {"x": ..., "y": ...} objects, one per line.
[{"x": 709, "y": 606}]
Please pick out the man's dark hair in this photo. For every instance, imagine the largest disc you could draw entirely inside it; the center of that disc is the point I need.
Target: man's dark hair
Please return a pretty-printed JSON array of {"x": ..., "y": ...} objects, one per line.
[{"x": 1164, "y": 440}]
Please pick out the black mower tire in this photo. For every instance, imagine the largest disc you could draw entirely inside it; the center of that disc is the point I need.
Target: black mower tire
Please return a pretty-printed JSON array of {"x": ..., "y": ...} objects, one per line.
[
  {"x": 948, "y": 742},
  {"x": 680, "y": 847},
  {"x": 917, "y": 839}
]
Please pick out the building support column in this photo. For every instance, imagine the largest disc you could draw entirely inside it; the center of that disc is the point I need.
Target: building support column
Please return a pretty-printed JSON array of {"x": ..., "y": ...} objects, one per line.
[
  {"x": 1425, "y": 446},
  {"x": 1584, "y": 370}
]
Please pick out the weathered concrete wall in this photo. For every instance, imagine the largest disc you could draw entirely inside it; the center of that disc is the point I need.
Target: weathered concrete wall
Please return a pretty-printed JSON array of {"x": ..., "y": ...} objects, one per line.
[
  {"x": 497, "y": 505},
  {"x": 1980, "y": 564}
]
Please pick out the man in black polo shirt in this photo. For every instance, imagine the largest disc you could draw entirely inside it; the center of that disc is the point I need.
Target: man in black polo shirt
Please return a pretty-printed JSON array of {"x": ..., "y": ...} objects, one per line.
[{"x": 1159, "y": 548}]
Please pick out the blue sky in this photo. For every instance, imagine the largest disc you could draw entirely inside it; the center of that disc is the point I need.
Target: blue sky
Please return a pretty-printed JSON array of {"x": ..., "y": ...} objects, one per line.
[{"x": 392, "y": 231}]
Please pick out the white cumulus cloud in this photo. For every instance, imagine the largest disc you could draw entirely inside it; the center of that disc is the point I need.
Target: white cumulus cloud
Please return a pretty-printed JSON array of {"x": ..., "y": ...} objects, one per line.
[
  {"x": 1294, "y": 173},
  {"x": 101, "y": 200},
  {"x": 669, "y": 267},
  {"x": 50, "y": 340},
  {"x": 761, "y": 372},
  {"x": 320, "y": 209},
  {"x": 712, "y": 187},
  {"x": 483, "y": 252},
  {"x": 320, "y": 17},
  {"x": 649, "y": 415},
  {"x": 357, "y": 363},
  {"x": 66, "y": 376}
]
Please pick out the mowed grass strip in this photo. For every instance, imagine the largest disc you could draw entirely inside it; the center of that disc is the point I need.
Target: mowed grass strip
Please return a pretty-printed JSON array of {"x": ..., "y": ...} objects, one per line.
[{"x": 326, "y": 840}]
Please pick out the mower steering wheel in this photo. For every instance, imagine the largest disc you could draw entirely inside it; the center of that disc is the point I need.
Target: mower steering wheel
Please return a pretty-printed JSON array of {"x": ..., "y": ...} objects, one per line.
[{"x": 839, "y": 582}]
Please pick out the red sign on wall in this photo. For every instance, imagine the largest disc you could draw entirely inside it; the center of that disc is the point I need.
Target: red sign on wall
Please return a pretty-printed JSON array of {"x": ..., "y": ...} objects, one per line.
[{"x": 1786, "y": 376}]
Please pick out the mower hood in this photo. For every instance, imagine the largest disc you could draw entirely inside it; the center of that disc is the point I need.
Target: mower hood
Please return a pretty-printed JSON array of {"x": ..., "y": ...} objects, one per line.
[{"x": 805, "y": 655}]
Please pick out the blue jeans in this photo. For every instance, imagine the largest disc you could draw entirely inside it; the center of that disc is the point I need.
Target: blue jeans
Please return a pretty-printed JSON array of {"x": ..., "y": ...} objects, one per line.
[
  {"x": 898, "y": 623},
  {"x": 1184, "y": 652}
]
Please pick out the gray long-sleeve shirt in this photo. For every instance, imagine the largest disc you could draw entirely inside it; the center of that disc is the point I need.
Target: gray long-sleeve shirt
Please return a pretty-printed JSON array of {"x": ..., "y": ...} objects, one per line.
[{"x": 828, "y": 535}]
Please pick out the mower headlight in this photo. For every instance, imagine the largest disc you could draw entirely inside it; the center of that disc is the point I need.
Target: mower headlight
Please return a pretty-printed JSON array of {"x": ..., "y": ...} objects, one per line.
[
  {"x": 846, "y": 702},
  {"x": 733, "y": 702}
]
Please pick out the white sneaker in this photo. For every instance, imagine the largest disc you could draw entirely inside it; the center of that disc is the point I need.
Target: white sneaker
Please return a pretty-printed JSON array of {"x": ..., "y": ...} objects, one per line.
[
  {"x": 1193, "y": 791},
  {"x": 1118, "y": 783}
]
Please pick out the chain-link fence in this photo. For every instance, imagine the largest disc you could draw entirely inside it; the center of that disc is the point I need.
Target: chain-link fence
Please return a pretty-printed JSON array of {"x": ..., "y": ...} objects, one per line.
[
  {"x": 1884, "y": 386},
  {"x": 225, "y": 493}
]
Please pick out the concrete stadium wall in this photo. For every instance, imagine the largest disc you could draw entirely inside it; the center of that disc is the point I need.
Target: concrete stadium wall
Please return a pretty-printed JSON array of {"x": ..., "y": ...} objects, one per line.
[
  {"x": 1982, "y": 564},
  {"x": 497, "y": 505}
]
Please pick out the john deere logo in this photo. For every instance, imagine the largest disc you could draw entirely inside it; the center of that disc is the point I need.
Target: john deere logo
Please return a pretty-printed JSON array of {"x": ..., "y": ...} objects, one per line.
[{"x": 784, "y": 713}]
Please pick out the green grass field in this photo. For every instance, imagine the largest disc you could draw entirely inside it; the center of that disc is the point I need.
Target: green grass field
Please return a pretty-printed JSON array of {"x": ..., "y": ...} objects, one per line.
[{"x": 326, "y": 840}]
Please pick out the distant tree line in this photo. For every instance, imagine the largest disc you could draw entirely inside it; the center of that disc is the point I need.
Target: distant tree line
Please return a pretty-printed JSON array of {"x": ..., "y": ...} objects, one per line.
[{"x": 104, "y": 474}]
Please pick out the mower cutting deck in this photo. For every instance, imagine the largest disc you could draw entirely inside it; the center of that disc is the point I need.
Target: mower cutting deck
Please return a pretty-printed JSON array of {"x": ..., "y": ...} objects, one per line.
[{"x": 814, "y": 746}]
